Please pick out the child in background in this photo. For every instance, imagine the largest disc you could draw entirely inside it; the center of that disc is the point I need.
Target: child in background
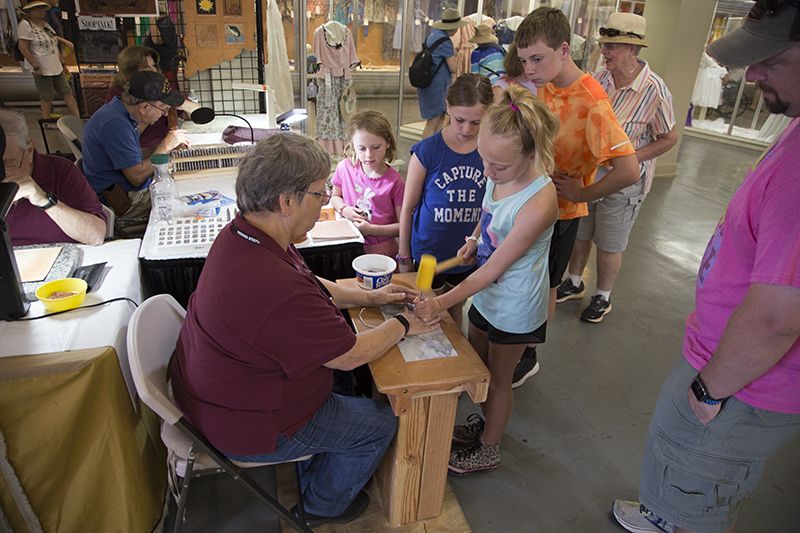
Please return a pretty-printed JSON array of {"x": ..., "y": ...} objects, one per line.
[
  {"x": 515, "y": 75},
  {"x": 366, "y": 190},
  {"x": 487, "y": 58},
  {"x": 511, "y": 241},
  {"x": 445, "y": 186}
]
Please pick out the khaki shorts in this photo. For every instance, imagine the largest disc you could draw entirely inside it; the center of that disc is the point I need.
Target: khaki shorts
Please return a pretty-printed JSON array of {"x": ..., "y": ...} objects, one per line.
[
  {"x": 49, "y": 86},
  {"x": 610, "y": 220},
  {"x": 697, "y": 476}
]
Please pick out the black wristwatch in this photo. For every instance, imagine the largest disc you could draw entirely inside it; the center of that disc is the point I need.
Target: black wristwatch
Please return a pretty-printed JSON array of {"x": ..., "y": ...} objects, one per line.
[
  {"x": 701, "y": 392},
  {"x": 403, "y": 321},
  {"x": 52, "y": 200}
]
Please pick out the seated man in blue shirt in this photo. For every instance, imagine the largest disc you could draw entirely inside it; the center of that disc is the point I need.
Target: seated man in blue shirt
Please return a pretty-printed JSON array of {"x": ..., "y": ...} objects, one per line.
[{"x": 112, "y": 158}]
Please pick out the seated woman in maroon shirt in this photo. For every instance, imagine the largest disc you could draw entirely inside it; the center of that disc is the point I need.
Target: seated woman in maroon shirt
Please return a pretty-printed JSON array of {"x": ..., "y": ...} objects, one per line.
[
  {"x": 253, "y": 366},
  {"x": 130, "y": 61},
  {"x": 54, "y": 202}
]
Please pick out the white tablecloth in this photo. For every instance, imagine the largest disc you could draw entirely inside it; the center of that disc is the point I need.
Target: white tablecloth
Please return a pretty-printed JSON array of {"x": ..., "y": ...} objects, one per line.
[
  {"x": 226, "y": 185},
  {"x": 105, "y": 325}
]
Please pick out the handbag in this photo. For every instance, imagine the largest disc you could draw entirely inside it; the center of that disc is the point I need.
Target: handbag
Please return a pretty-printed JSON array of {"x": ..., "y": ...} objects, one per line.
[{"x": 347, "y": 103}]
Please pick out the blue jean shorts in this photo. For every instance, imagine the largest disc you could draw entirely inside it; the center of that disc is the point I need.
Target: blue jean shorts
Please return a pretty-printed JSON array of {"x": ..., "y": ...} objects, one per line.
[{"x": 696, "y": 476}]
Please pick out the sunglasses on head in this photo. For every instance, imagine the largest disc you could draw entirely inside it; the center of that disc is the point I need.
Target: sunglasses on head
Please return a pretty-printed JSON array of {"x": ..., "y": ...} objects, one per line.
[
  {"x": 611, "y": 32},
  {"x": 773, "y": 8}
]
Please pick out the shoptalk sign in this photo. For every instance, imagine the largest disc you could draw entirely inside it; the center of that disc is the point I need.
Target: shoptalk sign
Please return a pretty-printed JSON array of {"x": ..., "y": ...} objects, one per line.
[{"x": 97, "y": 23}]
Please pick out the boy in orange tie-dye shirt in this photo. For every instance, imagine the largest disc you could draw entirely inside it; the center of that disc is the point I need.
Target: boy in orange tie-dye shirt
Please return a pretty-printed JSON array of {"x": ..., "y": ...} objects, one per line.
[{"x": 589, "y": 135}]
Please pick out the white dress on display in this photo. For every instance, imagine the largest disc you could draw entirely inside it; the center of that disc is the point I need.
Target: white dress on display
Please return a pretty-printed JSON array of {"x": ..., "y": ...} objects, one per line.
[
  {"x": 276, "y": 71},
  {"x": 708, "y": 85}
]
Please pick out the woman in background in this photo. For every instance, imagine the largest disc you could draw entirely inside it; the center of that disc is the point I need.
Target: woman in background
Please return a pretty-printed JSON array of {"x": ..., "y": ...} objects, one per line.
[
  {"x": 38, "y": 42},
  {"x": 130, "y": 61}
]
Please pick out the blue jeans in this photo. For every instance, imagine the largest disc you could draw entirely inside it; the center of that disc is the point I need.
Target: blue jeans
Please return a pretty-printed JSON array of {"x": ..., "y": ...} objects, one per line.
[{"x": 348, "y": 437}]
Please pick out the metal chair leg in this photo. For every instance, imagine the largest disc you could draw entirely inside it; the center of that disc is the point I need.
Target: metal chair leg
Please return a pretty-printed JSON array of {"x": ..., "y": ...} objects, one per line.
[{"x": 184, "y": 492}]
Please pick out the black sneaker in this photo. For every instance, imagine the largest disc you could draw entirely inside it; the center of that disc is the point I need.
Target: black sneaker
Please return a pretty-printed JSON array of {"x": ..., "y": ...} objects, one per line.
[
  {"x": 528, "y": 366},
  {"x": 568, "y": 291},
  {"x": 353, "y": 511},
  {"x": 598, "y": 308}
]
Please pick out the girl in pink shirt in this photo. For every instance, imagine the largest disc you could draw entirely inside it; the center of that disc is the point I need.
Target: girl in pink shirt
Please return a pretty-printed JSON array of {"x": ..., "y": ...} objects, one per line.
[{"x": 366, "y": 190}]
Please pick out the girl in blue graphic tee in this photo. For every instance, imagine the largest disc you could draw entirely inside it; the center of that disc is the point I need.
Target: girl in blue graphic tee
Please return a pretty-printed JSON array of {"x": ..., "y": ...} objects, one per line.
[
  {"x": 510, "y": 287},
  {"x": 445, "y": 185}
]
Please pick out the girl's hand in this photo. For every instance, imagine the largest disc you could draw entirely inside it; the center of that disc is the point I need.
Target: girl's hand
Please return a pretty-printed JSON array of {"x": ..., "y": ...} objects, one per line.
[
  {"x": 419, "y": 326},
  {"x": 406, "y": 265},
  {"x": 469, "y": 252},
  {"x": 362, "y": 225},
  {"x": 427, "y": 309}
]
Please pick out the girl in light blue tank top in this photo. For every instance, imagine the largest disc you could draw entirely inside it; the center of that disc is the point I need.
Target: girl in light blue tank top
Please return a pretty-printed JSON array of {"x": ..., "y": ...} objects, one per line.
[{"x": 510, "y": 288}]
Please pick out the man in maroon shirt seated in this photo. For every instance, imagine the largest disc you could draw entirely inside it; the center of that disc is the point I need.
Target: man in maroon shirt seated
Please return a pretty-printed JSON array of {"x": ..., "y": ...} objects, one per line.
[
  {"x": 54, "y": 202},
  {"x": 253, "y": 367}
]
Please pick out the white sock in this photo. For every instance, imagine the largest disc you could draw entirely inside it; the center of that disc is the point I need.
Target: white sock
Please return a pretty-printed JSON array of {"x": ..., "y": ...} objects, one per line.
[
  {"x": 576, "y": 279},
  {"x": 604, "y": 294}
]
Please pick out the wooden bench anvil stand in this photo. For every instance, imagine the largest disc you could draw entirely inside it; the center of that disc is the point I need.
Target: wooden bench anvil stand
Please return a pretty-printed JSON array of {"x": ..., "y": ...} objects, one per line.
[{"x": 424, "y": 396}]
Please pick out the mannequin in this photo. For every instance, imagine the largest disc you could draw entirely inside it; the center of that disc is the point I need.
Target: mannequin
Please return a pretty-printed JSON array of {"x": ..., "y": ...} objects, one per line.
[{"x": 336, "y": 53}]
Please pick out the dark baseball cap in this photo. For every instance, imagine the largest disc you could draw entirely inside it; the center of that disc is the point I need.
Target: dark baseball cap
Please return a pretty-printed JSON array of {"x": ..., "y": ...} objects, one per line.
[
  {"x": 152, "y": 86},
  {"x": 771, "y": 27}
]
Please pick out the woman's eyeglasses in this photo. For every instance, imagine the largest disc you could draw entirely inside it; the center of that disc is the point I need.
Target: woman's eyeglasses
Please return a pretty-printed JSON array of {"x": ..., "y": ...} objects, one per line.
[
  {"x": 612, "y": 32},
  {"x": 325, "y": 196}
]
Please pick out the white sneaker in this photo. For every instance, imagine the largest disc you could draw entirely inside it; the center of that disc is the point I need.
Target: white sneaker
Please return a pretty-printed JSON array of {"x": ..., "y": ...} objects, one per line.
[{"x": 637, "y": 518}]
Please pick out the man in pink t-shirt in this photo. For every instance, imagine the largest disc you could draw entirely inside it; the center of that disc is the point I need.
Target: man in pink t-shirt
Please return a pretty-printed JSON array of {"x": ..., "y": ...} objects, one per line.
[{"x": 733, "y": 399}]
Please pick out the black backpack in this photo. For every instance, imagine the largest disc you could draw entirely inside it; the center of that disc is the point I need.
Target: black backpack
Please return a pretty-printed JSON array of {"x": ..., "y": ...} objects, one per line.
[
  {"x": 419, "y": 73},
  {"x": 12, "y": 48}
]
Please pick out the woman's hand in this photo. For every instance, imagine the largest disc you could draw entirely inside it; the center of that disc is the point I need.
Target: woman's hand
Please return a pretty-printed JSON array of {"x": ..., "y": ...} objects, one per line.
[
  {"x": 419, "y": 326},
  {"x": 37, "y": 72},
  {"x": 391, "y": 294},
  {"x": 428, "y": 309}
]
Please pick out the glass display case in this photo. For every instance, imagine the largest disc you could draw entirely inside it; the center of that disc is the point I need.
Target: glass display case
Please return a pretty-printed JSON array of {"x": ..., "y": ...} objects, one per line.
[{"x": 723, "y": 101}]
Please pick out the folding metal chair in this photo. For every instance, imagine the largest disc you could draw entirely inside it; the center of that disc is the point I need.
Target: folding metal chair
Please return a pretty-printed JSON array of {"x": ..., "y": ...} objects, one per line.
[{"x": 152, "y": 335}]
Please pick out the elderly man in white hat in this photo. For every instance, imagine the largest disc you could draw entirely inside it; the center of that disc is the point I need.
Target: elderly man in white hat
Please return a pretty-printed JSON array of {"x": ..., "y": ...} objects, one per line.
[
  {"x": 733, "y": 398},
  {"x": 643, "y": 106},
  {"x": 487, "y": 58},
  {"x": 431, "y": 99}
]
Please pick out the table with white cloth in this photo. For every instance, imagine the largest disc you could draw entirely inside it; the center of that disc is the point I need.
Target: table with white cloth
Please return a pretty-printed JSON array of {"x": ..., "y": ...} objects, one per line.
[{"x": 80, "y": 452}]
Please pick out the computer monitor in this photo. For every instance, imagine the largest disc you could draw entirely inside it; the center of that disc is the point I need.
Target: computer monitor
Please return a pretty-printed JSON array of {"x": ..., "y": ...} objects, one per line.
[{"x": 13, "y": 303}]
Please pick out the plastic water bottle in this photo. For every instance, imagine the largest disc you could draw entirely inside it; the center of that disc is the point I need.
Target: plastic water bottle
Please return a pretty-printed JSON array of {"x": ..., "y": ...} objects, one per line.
[{"x": 163, "y": 190}]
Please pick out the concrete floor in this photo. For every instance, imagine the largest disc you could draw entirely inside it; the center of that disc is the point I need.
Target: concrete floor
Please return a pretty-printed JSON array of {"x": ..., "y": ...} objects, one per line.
[{"x": 576, "y": 437}]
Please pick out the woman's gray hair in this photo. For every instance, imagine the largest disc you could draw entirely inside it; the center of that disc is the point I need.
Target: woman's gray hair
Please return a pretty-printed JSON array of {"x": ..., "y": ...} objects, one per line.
[
  {"x": 283, "y": 164},
  {"x": 15, "y": 127}
]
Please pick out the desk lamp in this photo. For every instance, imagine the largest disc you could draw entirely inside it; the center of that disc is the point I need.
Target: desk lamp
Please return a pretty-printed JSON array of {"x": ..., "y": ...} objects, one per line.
[
  {"x": 13, "y": 303},
  {"x": 290, "y": 117},
  {"x": 204, "y": 115}
]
